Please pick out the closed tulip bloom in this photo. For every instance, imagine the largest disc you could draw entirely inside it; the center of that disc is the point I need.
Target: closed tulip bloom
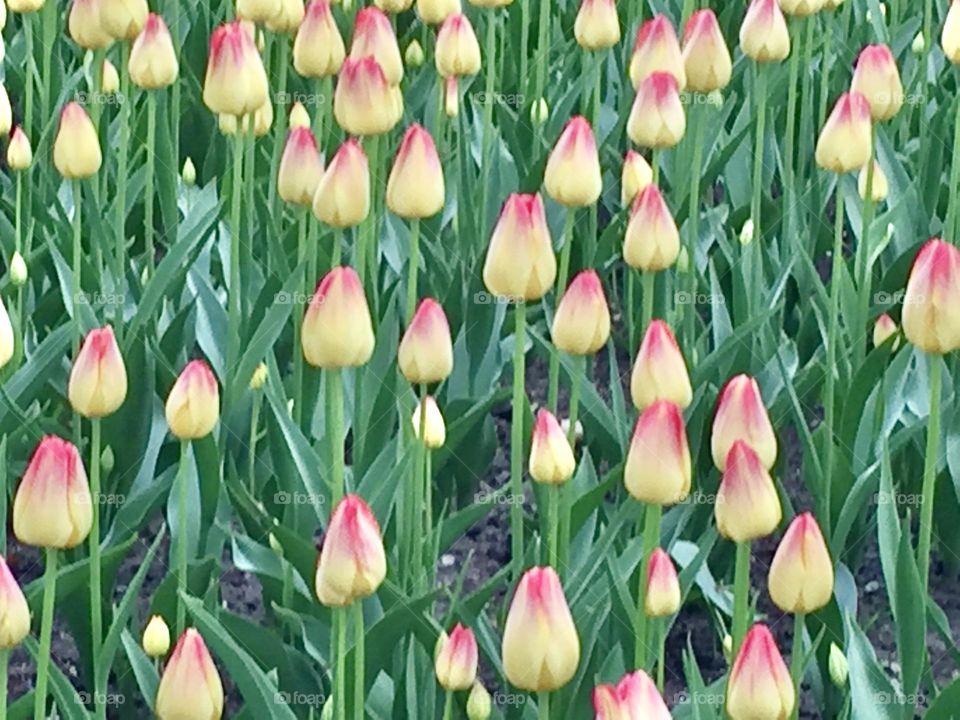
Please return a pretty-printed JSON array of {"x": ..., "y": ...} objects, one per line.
[
  {"x": 394, "y": 7},
  {"x": 541, "y": 648},
  {"x": 764, "y": 36},
  {"x": 658, "y": 468},
  {"x": 479, "y": 705},
  {"x": 6, "y": 112},
  {"x": 85, "y": 27},
  {"x": 364, "y": 103},
  {"x": 801, "y": 8},
  {"x": 607, "y": 704},
  {"x": 572, "y": 174},
  {"x": 490, "y": 3},
  {"x": 641, "y": 698},
  {"x": 190, "y": 687},
  {"x": 156, "y": 637},
  {"x": 636, "y": 175},
  {"x": 844, "y": 144},
  {"x": 597, "y": 26},
  {"x": 657, "y": 51},
  {"x": 19, "y": 153},
  {"x": 931, "y": 305},
  {"x": 883, "y": 330},
  {"x": 337, "y": 330},
  {"x": 747, "y": 507},
  {"x": 258, "y": 11},
  {"x": 153, "y": 61},
  {"x": 801, "y": 574},
  {"x": 434, "y": 12},
  {"x": 14, "y": 613},
  {"x": 109, "y": 78},
  {"x": 950, "y": 37},
  {"x": 352, "y": 561},
  {"x": 659, "y": 372},
  {"x": 262, "y": 120},
  {"x": 581, "y": 324},
  {"x": 76, "y": 149},
  {"x": 434, "y": 429},
  {"x": 661, "y": 594},
  {"x": 426, "y": 352},
  {"x": 879, "y": 186},
  {"x": 24, "y": 6},
  {"x": 759, "y": 687},
  {"x": 235, "y": 83},
  {"x": 288, "y": 19},
  {"x": 53, "y": 508},
  {"x": 300, "y": 168},
  {"x": 7, "y": 342},
  {"x": 877, "y": 78},
  {"x": 98, "y": 379},
  {"x": 299, "y": 117},
  {"x": 652, "y": 241},
  {"x": 373, "y": 35},
  {"x": 318, "y": 49},
  {"x": 520, "y": 263},
  {"x": 657, "y": 119},
  {"x": 741, "y": 415},
  {"x": 415, "y": 187},
  {"x": 123, "y": 19},
  {"x": 706, "y": 58},
  {"x": 456, "y": 661},
  {"x": 458, "y": 52},
  {"x": 342, "y": 198},
  {"x": 193, "y": 405},
  {"x": 551, "y": 457}
]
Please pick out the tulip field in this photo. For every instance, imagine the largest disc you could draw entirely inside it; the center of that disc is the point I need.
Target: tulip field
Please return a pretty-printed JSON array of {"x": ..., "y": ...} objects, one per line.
[{"x": 512, "y": 359}]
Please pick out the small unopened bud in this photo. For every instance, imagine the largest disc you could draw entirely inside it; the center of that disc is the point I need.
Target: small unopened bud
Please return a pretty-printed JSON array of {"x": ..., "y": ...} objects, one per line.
[
  {"x": 107, "y": 460},
  {"x": 414, "y": 54},
  {"x": 299, "y": 117},
  {"x": 478, "y": 703},
  {"x": 727, "y": 647},
  {"x": 259, "y": 377},
  {"x": 683, "y": 260},
  {"x": 838, "y": 666},
  {"x": 327, "y": 712},
  {"x": 18, "y": 269},
  {"x": 746, "y": 232},
  {"x": 539, "y": 112},
  {"x": 275, "y": 545},
  {"x": 189, "y": 173},
  {"x": 347, "y": 5},
  {"x": 919, "y": 44},
  {"x": 156, "y": 637},
  {"x": 109, "y": 79}
]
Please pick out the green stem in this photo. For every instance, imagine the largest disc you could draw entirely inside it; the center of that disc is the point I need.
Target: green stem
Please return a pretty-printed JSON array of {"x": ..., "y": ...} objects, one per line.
[
  {"x": 950, "y": 227},
  {"x": 649, "y": 281},
  {"x": 796, "y": 658},
  {"x": 96, "y": 594},
  {"x": 553, "y": 524},
  {"x": 564, "y": 272},
  {"x": 630, "y": 280},
  {"x": 359, "y": 661},
  {"x": 336, "y": 251},
  {"x": 340, "y": 695},
  {"x": 423, "y": 491},
  {"x": 77, "y": 257},
  {"x": 279, "y": 125},
  {"x": 148, "y": 199},
  {"x": 543, "y": 706},
  {"x": 301, "y": 291},
  {"x": 543, "y": 47},
  {"x": 661, "y": 652},
  {"x": 693, "y": 224},
  {"x": 413, "y": 265},
  {"x": 755, "y": 205},
  {"x": 254, "y": 427},
  {"x": 174, "y": 19},
  {"x": 490, "y": 68},
  {"x": 182, "y": 540},
  {"x": 448, "y": 705},
  {"x": 574, "y": 409},
  {"x": 516, "y": 440},
  {"x": 831, "y": 370},
  {"x": 806, "y": 132},
  {"x": 30, "y": 75},
  {"x": 4, "y": 669},
  {"x": 120, "y": 251},
  {"x": 46, "y": 635},
  {"x": 789, "y": 154},
  {"x": 233, "y": 302},
  {"x": 651, "y": 539},
  {"x": 862, "y": 257},
  {"x": 249, "y": 175},
  {"x": 335, "y": 430},
  {"x": 48, "y": 29},
  {"x": 930, "y": 471},
  {"x": 741, "y": 595},
  {"x": 524, "y": 46}
]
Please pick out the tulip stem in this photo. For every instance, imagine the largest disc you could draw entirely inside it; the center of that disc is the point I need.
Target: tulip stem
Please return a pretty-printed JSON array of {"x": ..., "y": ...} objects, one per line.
[
  {"x": 524, "y": 47},
  {"x": 412, "y": 268},
  {"x": 424, "y": 490},
  {"x": 4, "y": 665},
  {"x": 340, "y": 695},
  {"x": 233, "y": 301},
  {"x": 490, "y": 70},
  {"x": 48, "y": 30},
  {"x": 862, "y": 258},
  {"x": 182, "y": 501},
  {"x": 649, "y": 280},
  {"x": 553, "y": 393},
  {"x": 46, "y": 635},
  {"x": 806, "y": 132},
  {"x": 120, "y": 251},
  {"x": 77, "y": 266},
  {"x": 651, "y": 539},
  {"x": 18, "y": 241},
  {"x": 796, "y": 658},
  {"x": 448, "y": 705},
  {"x": 930, "y": 471},
  {"x": 301, "y": 291},
  {"x": 789, "y": 155},
  {"x": 335, "y": 430},
  {"x": 29, "y": 75},
  {"x": 96, "y": 596},
  {"x": 280, "y": 125},
  {"x": 543, "y": 48},
  {"x": 579, "y": 369},
  {"x": 828, "y": 400},
  {"x": 741, "y": 595},
  {"x": 950, "y": 227},
  {"x": 755, "y": 205},
  {"x": 516, "y": 439},
  {"x": 553, "y": 523},
  {"x": 693, "y": 225},
  {"x": 254, "y": 431},
  {"x": 359, "y": 660},
  {"x": 661, "y": 652},
  {"x": 544, "y": 706},
  {"x": 149, "y": 183}
]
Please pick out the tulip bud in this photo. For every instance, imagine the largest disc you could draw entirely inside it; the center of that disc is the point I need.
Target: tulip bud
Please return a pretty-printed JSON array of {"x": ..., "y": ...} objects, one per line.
[
  {"x": 373, "y": 35},
  {"x": 706, "y": 59},
  {"x": 458, "y": 52},
  {"x": 434, "y": 12},
  {"x": 451, "y": 97},
  {"x": 98, "y": 379},
  {"x": 14, "y": 613},
  {"x": 659, "y": 372},
  {"x": 919, "y": 44},
  {"x": 572, "y": 175},
  {"x": 123, "y": 19},
  {"x": 747, "y": 507},
  {"x": 7, "y": 342},
  {"x": 235, "y": 83},
  {"x": 289, "y": 18},
  {"x": 551, "y": 457},
  {"x": 364, "y": 103},
  {"x": 741, "y": 415},
  {"x": 434, "y": 430},
  {"x": 337, "y": 330},
  {"x": 607, "y": 704},
  {"x": 747, "y": 232},
  {"x": 85, "y": 27},
  {"x": 878, "y": 186},
  {"x": 156, "y": 637},
  {"x": 597, "y": 26},
  {"x": 845, "y": 142},
  {"x": 53, "y": 508},
  {"x": 801, "y": 574},
  {"x": 883, "y": 330},
  {"x": 24, "y": 6},
  {"x": 259, "y": 377},
  {"x": 300, "y": 168},
  {"x": 352, "y": 561},
  {"x": 520, "y": 263},
  {"x": 18, "y": 270},
  {"x": 76, "y": 149},
  {"x": 658, "y": 469},
  {"x": 479, "y": 706},
  {"x": 299, "y": 117},
  {"x": 877, "y": 78},
  {"x": 930, "y": 317},
  {"x": 6, "y": 113},
  {"x": 107, "y": 460},
  {"x": 636, "y": 175},
  {"x": 189, "y": 173},
  {"x": 539, "y": 112},
  {"x": 759, "y": 684},
  {"x": 318, "y": 49},
  {"x": 838, "y": 667},
  {"x": 393, "y": 7},
  {"x": 258, "y": 11},
  {"x": 661, "y": 594},
  {"x": 342, "y": 198},
  {"x": 415, "y": 188},
  {"x": 153, "y": 62},
  {"x": 193, "y": 405},
  {"x": 426, "y": 352},
  {"x": 19, "y": 153},
  {"x": 652, "y": 241},
  {"x": 456, "y": 661},
  {"x": 109, "y": 79},
  {"x": 414, "y": 54},
  {"x": 190, "y": 686},
  {"x": 581, "y": 324},
  {"x": 657, "y": 51},
  {"x": 764, "y": 36},
  {"x": 541, "y": 648},
  {"x": 640, "y": 697},
  {"x": 657, "y": 119},
  {"x": 327, "y": 712},
  {"x": 801, "y": 8}
]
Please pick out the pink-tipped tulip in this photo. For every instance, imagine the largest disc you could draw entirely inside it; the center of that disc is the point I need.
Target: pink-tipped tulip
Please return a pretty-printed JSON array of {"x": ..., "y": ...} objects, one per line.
[
  {"x": 352, "y": 561},
  {"x": 660, "y": 372},
  {"x": 342, "y": 198},
  {"x": 373, "y": 35},
  {"x": 520, "y": 263},
  {"x": 426, "y": 351},
  {"x": 76, "y": 149},
  {"x": 634, "y": 177},
  {"x": 153, "y": 62},
  {"x": 658, "y": 468},
  {"x": 14, "y": 613},
  {"x": 85, "y": 27},
  {"x": 931, "y": 304},
  {"x": 759, "y": 684},
  {"x": 193, "y": 405},
  {"x": 747, "y": 507},
  {"x": 657, "y": 119},
  {"x": 883, "y": 329},
  {"x": 415, "y": 188},
  {"x": 764, "y": 36},
  {"x": 19, "y": 152},
  {"x": 235, "y": 82},
  {"x": 661, "y": 595},
  {"x": 877, "y": 78},
  {"x": 581, "y": 325},
  {"x": 741, "y": 415},
  {"x": 364, "y": 103},
  {"x": 652, "y": 240},
  {"x": 643, "y": 701},
  {"x": 458, "y": 52},
  {"x": 706, "y": 58},
  {"x": 318, "y": 49},
  {"x": 607, "y": 704},
  {"x": 801, "y": 574},
  {"x": 337, "y": 329},
  {"x": 845, "y": 142},
  {"x": 98, "y": 379},
  {"x": 456, "y": 661},
  {"x": 551, "y": 457},
  {"x": 190, "y": 686},
  {"x": 657, "y": 50},
  {"x": 572, "y": 175},
  {"x": 300, "y": 168},
  {"x": 597, "y": 26}
]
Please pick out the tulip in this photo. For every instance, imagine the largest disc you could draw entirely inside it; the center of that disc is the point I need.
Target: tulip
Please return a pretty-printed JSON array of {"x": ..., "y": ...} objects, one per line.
[
  {"x": 190, "y": 686},
  {"x": 950, "y": 37},
  {"x": 364, "y": 103},
  {"x": 434, "y": 12},
  {"x": 98, "y": 379},
  {"x": 123, "y": 19},
  {"x": 415, "y": 188},
  {"x": 491, "y": 4},
  {"x": 85, "y": 27},
  {"x": 19, "y": 153},
  {"x": 413, "y": 56},
  {"x": 741, "y": 415},
  {"x": 641, "y": 698},
  {"x": 299, "y": 117},
  {"x": 657, "y": 51},
  {"x": 748, "y": 507},
  {"x": 193, "y": 405},
  {"x": 801, "y": 574},
  {"x": 520, "y": 263},
  {"x": 24, "y": 6},
  {"x": 456, "y": 661},
  {"x": 759, "y": 685},
  {"x": 189, "y": 173},
  {"x": 581, "y": 324},
  {"x": 657, "y": 119},
  {"x": 659, "y": 372},
  {"x": 764, "y": 36},
  {"x": 318, "y": 49},
  {"x": 426, "y": 352},
  {"x": 551, "y": 457},
  {"x": 434, "y": 429},
  {"x": 652, "y": 241},
  {"x": 541, "y": 648},
  {"x": 658, "y": 468},
  {"x": 352, "y": 561},
  {"x": 342, "y": 198},
  {"x": 572, "y": 174},
  {"x": 801, "y": 8},
  {"x": 18, "y": 276},
  {"x": 451, "y": 97},
  {"x": 607, "y": 704},
  {"x": 6, "y": 113},
  {"x": 539, "y": 112},
  {"x": 706, "y": 59},
  {"x": 845, "y": 142},
  {"x": 479, "y": 705},
  {"x": 288, "y": 19},
  {"x": 53, "y": 508},
  {"x": 393, "y": 7},
  {"x": 661, "y": 594},
  {"x": 931, "y": 320},
  {"x": 7, "y": 342},
  {"x": 636, "y": 175},
  {"x": 597, "y": 26},
  {"x": 373, "y": 35},
  {"x": 878, "y": 185},
  {"x": 109, "y": 78},
  {"x": 883, "y": 330},
  {"x": 3, "y": 15},
  {"x": 877, "y": 78},
  {"x": 258, "y": 11},
  {"x": 300, "y": 168},
  {"x": 14, "y": 613},
  {"x": 262, "y": 120},
  {"x": 337, "y": 330},
  {"x": 838, "y": 667},
  {"x": 153, "y": 61},
  {"x": 458, "y": 52},
  {"x": 156, "y": 637},
  {"x": 235, "y": 83},
  {"x": 76, "y": 149}
]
